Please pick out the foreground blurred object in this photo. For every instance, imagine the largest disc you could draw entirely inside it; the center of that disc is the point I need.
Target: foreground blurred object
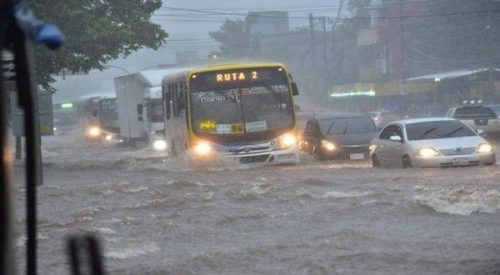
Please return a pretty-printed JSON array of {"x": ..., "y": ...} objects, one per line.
[
  {"x": 18, "y": 25},
  {"x": 81, "y": 248},
  {"x": 430, "y": 142}
]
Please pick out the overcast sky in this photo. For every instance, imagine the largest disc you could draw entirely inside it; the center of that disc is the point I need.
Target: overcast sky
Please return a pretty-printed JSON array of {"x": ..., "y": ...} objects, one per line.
[
  {"x": 188, "y": 30},
  {"x": 188, "y": 23}
]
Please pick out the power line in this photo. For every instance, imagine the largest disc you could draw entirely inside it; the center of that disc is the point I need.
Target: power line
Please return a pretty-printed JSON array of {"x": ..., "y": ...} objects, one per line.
[
  {"x": 476, "y": 13},
  {"x": 306, "y": 8}
]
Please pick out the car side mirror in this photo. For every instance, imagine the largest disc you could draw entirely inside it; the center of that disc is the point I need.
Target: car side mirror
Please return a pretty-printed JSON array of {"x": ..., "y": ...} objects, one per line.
[
  {"x": 295, "y": 89},
  {"x": 395, "y": 138},
  {"x": 480, "y": 132}
]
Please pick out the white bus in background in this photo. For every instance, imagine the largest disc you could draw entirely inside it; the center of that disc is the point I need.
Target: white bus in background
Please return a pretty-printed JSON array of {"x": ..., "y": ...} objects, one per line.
[{"x": 140, "y": 108}]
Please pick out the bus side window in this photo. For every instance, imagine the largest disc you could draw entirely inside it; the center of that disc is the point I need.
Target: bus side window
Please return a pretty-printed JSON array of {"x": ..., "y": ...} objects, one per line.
[
  {"x": 166, "y": 100},
  {"x": 178, "y": 100},
  {"x": 182, "y": 98},
  {"x": 175, "y": 99}
]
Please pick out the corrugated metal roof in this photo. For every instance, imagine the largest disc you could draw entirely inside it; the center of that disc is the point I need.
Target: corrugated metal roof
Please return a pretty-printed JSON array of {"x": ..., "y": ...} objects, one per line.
[
  {"x": 153, "y": 78},
  {"x": 452, "y": 74}
]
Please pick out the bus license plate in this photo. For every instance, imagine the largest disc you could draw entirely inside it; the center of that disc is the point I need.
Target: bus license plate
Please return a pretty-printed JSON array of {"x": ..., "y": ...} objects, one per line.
[{"x": 357, "y": 156}]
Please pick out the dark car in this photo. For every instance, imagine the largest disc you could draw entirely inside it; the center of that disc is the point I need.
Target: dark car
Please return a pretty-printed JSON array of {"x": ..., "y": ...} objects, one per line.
[{"x": 338, "y": 136}]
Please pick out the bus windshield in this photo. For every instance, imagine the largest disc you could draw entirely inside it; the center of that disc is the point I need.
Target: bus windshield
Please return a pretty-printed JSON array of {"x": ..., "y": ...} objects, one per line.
[{"x": 242, "y": 107}]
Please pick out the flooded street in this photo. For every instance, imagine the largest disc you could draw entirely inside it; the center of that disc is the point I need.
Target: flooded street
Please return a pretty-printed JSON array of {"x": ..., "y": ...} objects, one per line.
[{"x": 160, "y": 216}]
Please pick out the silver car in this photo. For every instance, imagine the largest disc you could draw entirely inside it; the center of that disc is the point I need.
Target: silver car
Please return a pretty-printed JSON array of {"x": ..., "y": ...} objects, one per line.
[{"x": 430, "y": 142}]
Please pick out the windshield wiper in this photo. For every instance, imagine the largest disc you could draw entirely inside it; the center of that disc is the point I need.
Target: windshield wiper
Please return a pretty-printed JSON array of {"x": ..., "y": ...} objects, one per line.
[
  {"x": 346, "y": 127},
  {"x": 452, "y": 132},
  {"x": 426, "y": 133},
  {"x": 330, "y": 128}
]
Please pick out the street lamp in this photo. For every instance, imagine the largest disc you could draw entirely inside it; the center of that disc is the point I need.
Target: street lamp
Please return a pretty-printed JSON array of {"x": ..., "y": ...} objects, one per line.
[{"x": 116, "y": 67}]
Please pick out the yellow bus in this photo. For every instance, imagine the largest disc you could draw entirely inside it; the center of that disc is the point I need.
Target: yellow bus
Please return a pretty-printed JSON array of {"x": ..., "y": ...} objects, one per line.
[{"x": 243, "y": 111}]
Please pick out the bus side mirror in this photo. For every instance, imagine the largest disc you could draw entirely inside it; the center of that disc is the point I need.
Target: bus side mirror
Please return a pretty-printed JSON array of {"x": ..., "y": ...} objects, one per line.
[
  {"x": 295, "y": 89},
  {"x": 480, "y": 132},
  {"x": 139, "y": 113}
]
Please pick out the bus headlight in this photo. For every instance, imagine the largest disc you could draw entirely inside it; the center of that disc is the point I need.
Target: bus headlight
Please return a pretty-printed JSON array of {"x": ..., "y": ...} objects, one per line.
[
  {"x": 94, "y": 131},
  {"x": 484, "y": 148},
  {"x": 427, "y": 152},
  {"x": 287, "y": 141},
  {"x": 329, "y": 146},
  {"x": 159, "y": 145},
  {"x": 202, "y": 148}
]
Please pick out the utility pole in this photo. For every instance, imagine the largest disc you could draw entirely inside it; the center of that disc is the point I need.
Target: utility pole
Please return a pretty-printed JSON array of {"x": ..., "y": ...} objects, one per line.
[
  {"x": 402, "y": 49},
  {"x": 313, "y": 40},
  {"x": 325, "y": 83},
  {"x": 325, "y": 57}
]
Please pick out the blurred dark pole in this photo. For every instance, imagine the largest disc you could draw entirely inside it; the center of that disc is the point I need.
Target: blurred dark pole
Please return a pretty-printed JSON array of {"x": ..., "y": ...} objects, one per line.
[{"x": 6, "y": 257}]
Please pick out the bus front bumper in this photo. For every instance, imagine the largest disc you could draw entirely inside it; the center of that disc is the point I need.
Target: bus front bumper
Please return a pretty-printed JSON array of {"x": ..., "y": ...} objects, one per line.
[{"x": 285, "y": 156}]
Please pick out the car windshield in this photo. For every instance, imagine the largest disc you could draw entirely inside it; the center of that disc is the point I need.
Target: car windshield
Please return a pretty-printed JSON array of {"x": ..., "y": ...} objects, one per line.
[
  {"x": 474, "y": 112},
  {"x": 172, "y": 133},
  {"x": 346, "y": 126},
  {"x": 437, "y": 130},
  {"x": 155, "y": 110}
]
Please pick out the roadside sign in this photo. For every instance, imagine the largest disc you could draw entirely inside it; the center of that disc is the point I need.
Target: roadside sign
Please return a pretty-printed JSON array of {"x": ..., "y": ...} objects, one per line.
[{"x": 44, "y": 110}]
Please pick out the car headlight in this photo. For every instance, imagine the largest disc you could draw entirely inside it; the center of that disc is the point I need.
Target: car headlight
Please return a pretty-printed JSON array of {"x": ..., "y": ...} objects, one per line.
[
  {"x": 427, "y": 152},
  {"x": 327, "y": 145},
  {"x": 484, "y": 148},
  {"x": 159, "y": 145},
  {"x": 202, "y": 148},
  {"x": 286, "y": 141},
  {"x": 94, "y": 131},
  {"x": 372, "y": 148}
]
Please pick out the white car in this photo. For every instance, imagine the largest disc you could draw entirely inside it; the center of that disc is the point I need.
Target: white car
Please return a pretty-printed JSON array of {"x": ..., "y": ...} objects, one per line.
[{"x": 430, "y": 142}]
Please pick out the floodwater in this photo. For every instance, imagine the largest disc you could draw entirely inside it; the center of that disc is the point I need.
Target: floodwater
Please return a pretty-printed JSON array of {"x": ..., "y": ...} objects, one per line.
[{"x": 159, "y": 215}]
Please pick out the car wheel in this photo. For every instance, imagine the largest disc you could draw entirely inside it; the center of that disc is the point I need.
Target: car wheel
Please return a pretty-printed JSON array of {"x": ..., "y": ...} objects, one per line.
[
  {"x": 375, "y": 161},
  {"x": 318, "y": 154},
  {"x": 407, "y": 162}
]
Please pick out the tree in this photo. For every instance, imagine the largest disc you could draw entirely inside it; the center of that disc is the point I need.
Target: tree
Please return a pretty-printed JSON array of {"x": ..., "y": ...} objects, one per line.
[
  {"x": 235, "y": 39},
  {"x": 96, "y": 31}
]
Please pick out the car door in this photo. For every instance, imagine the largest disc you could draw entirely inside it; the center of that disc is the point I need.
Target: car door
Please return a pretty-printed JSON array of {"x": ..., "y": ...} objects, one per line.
[
  {"x": 395, "y": 148},
  {"x": 388, "y": 150},
  {"x": 381, "y": 143}
]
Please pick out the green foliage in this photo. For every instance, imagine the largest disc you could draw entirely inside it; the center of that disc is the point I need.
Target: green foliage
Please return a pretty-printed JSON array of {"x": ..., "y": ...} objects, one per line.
[
  {"x": 236, "y": 40},
  {"x": 96, "y": 31}
]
